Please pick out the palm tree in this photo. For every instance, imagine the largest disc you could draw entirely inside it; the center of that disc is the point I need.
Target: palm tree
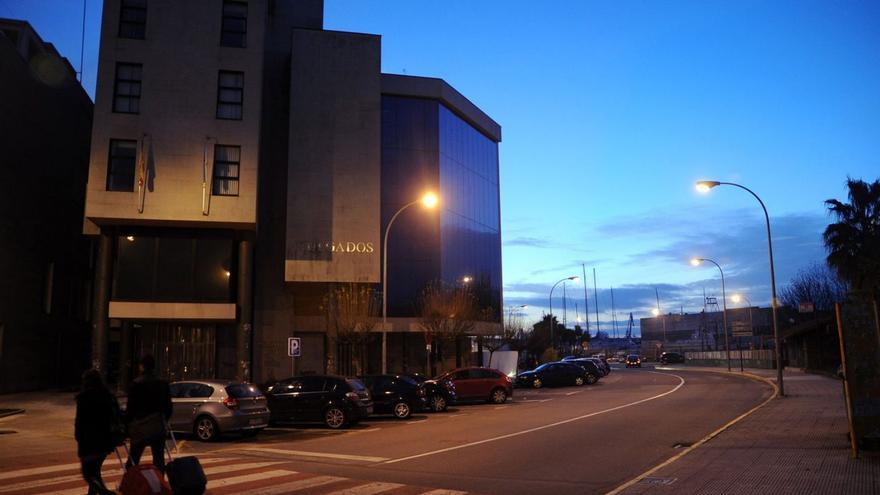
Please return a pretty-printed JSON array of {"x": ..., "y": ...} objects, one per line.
[{"x": 853, "y": 242}]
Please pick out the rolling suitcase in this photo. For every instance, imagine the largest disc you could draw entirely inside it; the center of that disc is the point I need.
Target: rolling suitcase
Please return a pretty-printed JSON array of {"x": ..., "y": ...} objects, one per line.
[
  {"x": 143, "y": 479},
  {"x": 185, "y": 474}
]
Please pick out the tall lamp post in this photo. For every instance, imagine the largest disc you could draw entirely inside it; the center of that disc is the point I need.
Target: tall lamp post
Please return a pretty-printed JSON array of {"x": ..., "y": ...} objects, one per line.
[
  {"x": 704, "y": 186},
  {"x": 573, "y": 278},
  {"x": 696, "y": 262},
  {"x": 737, "y": 298},
  {"x": 429, "y": 200}
]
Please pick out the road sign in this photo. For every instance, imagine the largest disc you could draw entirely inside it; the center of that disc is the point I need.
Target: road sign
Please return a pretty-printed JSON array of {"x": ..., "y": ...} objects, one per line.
[
  {"x": 294, "y": 346},
  {"x": 741, "y": 329}
]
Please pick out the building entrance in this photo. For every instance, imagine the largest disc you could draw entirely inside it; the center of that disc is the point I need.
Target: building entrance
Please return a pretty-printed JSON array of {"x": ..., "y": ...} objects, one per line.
[{"x": 182, "y": 350}]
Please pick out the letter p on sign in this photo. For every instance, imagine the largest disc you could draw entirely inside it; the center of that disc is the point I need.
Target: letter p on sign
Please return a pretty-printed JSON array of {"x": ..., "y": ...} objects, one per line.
[{"x": 294, "y": 345}]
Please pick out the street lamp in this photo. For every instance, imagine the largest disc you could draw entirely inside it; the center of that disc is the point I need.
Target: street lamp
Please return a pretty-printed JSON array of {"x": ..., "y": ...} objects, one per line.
[
  {"x": 704, "y": 186},
  {"x": 696, "y": 262},
  {"x": 737, "y": 298},
  {"x": 573, "y": 278},
  {"x": 429, "y": 200},
  {"x": 467, "y": 279}
]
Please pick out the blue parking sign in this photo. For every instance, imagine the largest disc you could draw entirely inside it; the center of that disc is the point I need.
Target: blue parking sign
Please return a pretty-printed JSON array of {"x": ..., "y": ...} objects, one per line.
[{"x": 293, "y": 346}]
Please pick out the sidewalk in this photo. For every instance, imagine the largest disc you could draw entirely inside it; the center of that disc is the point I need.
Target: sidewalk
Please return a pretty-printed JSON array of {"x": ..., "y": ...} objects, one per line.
[{"x": 793, "y": 445}]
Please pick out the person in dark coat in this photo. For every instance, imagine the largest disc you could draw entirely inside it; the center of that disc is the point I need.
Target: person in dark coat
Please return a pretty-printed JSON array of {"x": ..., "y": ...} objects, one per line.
[
  {"x": 96, "y": 429},
  {"x": 148, "y": 396}
]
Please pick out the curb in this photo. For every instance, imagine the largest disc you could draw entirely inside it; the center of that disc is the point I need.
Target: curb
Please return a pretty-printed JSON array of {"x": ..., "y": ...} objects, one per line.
[
  {"x": 708, "y": 437},
  {"x": 10, "y": 412}
]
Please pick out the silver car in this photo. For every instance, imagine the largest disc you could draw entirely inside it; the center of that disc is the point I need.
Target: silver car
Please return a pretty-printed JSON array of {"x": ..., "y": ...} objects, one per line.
[{"x": 207, "y": 408}]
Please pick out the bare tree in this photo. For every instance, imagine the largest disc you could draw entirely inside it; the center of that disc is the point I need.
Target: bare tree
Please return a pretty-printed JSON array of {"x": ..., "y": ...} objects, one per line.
[
  {"x": 447, "y": 313},
  {"x": 352, "y": 313},
  {"x": 816, "y": 284}
]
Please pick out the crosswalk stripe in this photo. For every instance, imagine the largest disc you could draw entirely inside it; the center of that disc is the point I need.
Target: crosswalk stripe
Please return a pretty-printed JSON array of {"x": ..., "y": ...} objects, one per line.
[
  {"x": 297, "y": 485},
  {"x": 235, "y": 480},
  {"x": 38, "y": 470},
  {"x": 110, "y": 477},
  {"x": 327, "y": 455},
  {"x": 368, "y": 489}
]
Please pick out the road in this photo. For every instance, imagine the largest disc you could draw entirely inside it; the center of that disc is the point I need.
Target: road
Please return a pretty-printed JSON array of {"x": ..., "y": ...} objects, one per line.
[{"x": 558, "y": 440}]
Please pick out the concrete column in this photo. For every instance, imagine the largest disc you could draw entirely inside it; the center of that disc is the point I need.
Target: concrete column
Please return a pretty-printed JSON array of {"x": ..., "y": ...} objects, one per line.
[
  {"x": 100, "y": 321},
  {"x": 245, "y": 292}
]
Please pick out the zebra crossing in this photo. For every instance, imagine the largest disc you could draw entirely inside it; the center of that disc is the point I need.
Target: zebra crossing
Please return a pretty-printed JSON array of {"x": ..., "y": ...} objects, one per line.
[{"x": 226, "y": 475}]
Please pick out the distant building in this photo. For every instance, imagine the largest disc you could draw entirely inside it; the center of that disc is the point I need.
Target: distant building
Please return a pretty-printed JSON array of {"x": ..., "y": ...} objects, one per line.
[
  {"x": 704, "y": 331},
  {"x": 45, "y": 124},
  {"x": 245, "y": 161}
]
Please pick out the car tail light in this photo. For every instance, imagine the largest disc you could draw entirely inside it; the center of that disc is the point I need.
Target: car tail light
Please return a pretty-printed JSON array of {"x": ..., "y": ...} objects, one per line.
[
  {"x": 352, "y": 395},
  {"x": 230, "y": 402}
]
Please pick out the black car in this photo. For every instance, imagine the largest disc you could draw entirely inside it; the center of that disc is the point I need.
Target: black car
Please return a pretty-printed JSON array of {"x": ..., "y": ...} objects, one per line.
[
  {"x": 601, "y": 364},
  {"x": 550, "y": 374},
  {"x": 671, "y": 357},
  {"x": 592, "y": 369},
  {"x": 333, "y": 400},
  {"x": 438, "y": 394},
  {"x": 399, "y": 395}
]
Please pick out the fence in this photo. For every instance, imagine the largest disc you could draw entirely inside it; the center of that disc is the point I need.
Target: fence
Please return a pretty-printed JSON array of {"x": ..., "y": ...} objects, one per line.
[{"x": 750, "y": 358}]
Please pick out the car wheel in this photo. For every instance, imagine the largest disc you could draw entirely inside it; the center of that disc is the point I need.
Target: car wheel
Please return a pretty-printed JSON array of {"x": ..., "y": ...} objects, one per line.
[
  {"x": 579, "y": 380},
  {"x": 334, "y": 417},
  {"x": 591, "y": 378},
  {"x": 438, "y": 403},
  {"x": 498, "y": 396},
  {"x": 206, "y": 428},
  {"x": 537, "y": 383},
  {"x": 402, "y": 410}
]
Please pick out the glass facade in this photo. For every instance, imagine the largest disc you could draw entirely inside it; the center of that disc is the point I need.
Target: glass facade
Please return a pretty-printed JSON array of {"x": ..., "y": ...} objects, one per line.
[{"x": 426, "y": 147}]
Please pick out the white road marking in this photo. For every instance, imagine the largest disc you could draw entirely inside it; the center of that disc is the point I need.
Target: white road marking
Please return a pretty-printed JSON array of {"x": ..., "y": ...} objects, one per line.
[
  {"x": 297, "y": 485},
  {"x": 538, "y": 428},
  {"x": 368, "y": 489},
  {"x": 38, "y": 470},
  {"x": 534, "y": 400},
  {"x": 576, "y": 392},
  {"x": 245, "y": 478},
  {"x": 327, "y": 455}
]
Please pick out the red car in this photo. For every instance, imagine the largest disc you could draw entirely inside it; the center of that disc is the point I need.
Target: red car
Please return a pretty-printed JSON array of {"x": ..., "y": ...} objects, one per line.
[{"x": 479, "y": 384}]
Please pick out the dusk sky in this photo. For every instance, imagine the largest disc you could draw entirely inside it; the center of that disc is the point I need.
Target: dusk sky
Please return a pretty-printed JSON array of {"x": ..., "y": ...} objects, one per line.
[{"x": 611, "y": 110}]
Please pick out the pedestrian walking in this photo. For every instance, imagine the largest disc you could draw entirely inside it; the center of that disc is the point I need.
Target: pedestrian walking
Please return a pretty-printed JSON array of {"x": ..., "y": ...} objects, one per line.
[
  {"x": 149, "y": 408},
  {"x": 97, "y": 429}
]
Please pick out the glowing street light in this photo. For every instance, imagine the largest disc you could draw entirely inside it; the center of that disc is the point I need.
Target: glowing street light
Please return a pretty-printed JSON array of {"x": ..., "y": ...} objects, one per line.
[
  {"x": 704, "y": 186},
  {"x": 696, "y": 262},
  {"x": 467, "y": 279},
  {"x": 430, "y": 201}
]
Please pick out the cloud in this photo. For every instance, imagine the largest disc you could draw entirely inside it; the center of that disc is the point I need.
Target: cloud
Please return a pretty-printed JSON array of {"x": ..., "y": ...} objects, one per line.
[{"x": 533, "y": 242}]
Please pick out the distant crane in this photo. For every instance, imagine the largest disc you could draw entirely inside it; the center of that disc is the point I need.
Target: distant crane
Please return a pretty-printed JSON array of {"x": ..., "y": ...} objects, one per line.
[{"x": 629, "y": 327}]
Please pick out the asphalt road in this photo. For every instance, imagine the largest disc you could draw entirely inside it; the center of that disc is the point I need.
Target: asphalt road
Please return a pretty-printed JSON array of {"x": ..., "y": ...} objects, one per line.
[{"x": 586, "y": 439}]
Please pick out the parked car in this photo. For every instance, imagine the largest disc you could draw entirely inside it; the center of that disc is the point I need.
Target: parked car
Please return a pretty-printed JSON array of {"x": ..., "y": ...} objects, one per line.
[
  {"x": 479, "y": 384},
  {"x": 671, "y": 357},
  {"x": 593, "y": 369},
  {"x": 601, "y": 363},
  {"x": 633, "y": 361},
  {"x": 550, "y": 374},
  {"x": 399, "y": 395},
  {"x": 333, "y": 400},
  {"x": 207, "y": 408},
  {"x": 438, "y": 394}
]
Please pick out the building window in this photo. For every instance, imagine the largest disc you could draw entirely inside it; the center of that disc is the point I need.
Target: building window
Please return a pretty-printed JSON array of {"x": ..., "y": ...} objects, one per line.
[
  {"x": 230, "y": 93},
  {"x": 121, "y": 165},
  {"x": 133, "y": 19},
  {"x": 227, "y": 160},
  {"x": 233, "y": 30},
  {"x": 127, "y": 90}
]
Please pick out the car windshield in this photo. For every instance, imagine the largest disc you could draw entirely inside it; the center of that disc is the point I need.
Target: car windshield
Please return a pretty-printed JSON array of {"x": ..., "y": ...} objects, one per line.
[
  {"x": 240, "y": 390},
  {"x": 632, "y": 357}
]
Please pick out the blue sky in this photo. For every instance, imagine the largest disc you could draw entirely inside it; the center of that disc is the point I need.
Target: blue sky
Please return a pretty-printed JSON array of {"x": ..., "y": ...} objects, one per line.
[{"x": 610, "y": 112}]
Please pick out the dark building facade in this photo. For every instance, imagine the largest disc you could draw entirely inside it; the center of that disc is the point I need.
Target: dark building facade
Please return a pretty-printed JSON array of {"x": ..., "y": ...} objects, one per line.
[
  {"x": 44, "y": 260},
  {"x": 224, "y": 216}
]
